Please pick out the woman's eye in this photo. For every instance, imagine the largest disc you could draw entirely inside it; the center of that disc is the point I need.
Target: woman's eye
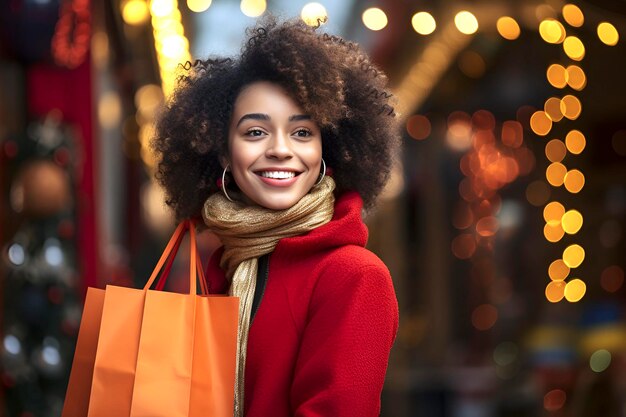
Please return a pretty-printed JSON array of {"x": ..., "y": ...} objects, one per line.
[
  {"x": 254, "y": 132},
  {"x": 303, "y": 133}
]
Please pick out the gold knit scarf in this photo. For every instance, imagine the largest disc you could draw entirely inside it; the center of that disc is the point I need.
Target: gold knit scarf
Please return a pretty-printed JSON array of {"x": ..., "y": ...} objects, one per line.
[{"x": 248, "y": 232}]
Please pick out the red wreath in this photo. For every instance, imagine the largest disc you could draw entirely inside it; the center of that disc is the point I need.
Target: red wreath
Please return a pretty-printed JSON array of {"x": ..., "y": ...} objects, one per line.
[{"x": 70, "y": 42}]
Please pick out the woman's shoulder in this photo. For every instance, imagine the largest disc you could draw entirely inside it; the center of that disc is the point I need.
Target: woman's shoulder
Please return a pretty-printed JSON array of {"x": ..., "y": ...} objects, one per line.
[{"x": 355, "y": 263}]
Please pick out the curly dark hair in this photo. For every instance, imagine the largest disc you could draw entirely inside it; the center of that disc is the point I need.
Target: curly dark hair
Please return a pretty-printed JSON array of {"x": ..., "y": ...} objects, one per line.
[{"x": 332, "y": 79}]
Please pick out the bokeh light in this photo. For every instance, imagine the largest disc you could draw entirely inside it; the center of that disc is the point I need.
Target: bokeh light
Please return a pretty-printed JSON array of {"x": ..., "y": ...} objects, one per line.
[
  {"x": 558, "y": 270},
  {"x": 573, "y": 15},
  {"x": 418, "y": 127},
  {"x": 576, "y": 77},
  {"x": 573, "y": 255},
  {"x": 612, "y": 278},
  {"x": 423, "y": 23},
  {"x": 552, "y": 107},
  {"x": 600, "y": 360},
  {"x": 557, "y": 75},
  {"x": 484, "y": 317},
  {"x": 575, "y": 141},
  {"x": 608, "y": 34},
  {"x": 487, "y": 226},
  {"x": 571, "y": 107},
  {"x": 553, "y": 211},
  {"x": 554, "y": 400},
  {"x": 553, "y": 231},
  {"x": 466, "y": 22},
  {"x": 313, "y": 14},
  {"x": 555, "y": 150},
  {"x": 135, "y": 12},
  {"x": 555, "y": 174},
  {"x": 464, "y": 246},
  {"x": 512, "y": 133},
  {"x": 253, "y": 8},
  {"x": 552, "y": 31},
  {"x": 198, "y": 6},
  {"x": 540, "y": 123},
  {"x": 575, "y": 290},
  {"x": 572, "y": 221},
  {"x": 508, "y": 28},
  {"x": 574, "y": 48},
  {"x": 555, "y": 291},
  {"x": 459, "y": 133},
  {"x": 574, "y": 181},
  {"x": 374, "y": 19}
]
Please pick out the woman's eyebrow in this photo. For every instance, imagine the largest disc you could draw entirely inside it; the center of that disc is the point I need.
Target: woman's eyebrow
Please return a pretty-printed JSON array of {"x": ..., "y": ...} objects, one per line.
[
  {"x": 298, "y": 117},
  {"x": 254, "y": 116}
]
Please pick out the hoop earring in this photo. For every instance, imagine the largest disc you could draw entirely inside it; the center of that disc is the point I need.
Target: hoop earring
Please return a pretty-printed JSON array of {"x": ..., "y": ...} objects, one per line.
[
  {"x": 322, "y": 174},
  {"x": 224, "y": 184}
]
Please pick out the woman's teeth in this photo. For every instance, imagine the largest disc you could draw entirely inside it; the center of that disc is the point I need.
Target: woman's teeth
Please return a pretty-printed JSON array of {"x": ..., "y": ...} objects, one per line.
[{"x": 280, "y": 175}]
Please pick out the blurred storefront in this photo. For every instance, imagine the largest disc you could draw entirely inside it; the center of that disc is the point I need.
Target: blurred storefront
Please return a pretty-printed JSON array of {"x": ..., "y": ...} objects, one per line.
[{"x": 503, "y": 224}]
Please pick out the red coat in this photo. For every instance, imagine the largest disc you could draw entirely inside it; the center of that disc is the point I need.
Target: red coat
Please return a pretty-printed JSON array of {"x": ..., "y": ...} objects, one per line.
[{"x": 320, "y": 340}]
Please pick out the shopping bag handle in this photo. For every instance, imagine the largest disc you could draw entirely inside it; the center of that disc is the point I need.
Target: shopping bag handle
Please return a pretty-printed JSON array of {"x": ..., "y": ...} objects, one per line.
[{"x": 195, "y": 267}]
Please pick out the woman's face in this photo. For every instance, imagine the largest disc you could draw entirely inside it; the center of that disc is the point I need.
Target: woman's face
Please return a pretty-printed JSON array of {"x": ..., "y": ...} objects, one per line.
[{"x": 275, "y": 148}]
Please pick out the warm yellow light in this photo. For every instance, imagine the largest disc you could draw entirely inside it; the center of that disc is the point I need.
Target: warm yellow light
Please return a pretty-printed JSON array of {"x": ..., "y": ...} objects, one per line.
[
  {"x": 575, "y": 290},
  {"x": 174, "y": 47},
  {"x": 198, "y": 6},
  {"x": 553, "y": 211},
  {"x": 135, "y": 12},
  {"x": 576, "y": 77},
  {"x": 374, "y": 18},
  {"x": 557, "y": 76},
  {"x": 575, "y": 141},
  {"x": 466, "y": 22},
  {"x": 253, "y": 8},
  {"x": 552, "y": 107},
  {"x": 608, "y": 34},
  {"x": 555, "y": 174},
  {"x": 423, "y": 23},
  {"x": 555, "y": 291},
  {"x": 552, "y": 31},
  {"x": 558, "y": 271},
  {"x": 574, "y": 48},
  {"x": 573, "y": 256},
  {"x": 573, "y": 15},
  {"x": 553, "y": 231},
  {"x": 508, "y": 28},
  {"x": 314, "y": 14},
  {"x": 572, "y": 221},
  {"x": 109, "y": 110},
  {"x": 574, "y": 181},
  {"x": 571, "y": 107},
  {"x": 162, "y": 8},
  {"x": 555, "y": 150},
  {"x": 540, "y": 123}
]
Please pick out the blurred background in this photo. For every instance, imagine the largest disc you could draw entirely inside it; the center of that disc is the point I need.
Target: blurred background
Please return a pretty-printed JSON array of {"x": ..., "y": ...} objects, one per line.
[{"x": 503, "y": 223}]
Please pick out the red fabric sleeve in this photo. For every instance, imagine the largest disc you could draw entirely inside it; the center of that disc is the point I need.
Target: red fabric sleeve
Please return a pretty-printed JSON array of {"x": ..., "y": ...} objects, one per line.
[{"x": 352, "y": 323}]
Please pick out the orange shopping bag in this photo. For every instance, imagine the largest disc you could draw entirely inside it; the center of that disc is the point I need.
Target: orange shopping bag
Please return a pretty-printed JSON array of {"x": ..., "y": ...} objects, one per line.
[{"x": 163, "y": 354}]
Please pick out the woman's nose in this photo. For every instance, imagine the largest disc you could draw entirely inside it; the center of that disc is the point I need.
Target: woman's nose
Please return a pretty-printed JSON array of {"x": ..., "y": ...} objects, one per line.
[{"x": 279, "y": 147}]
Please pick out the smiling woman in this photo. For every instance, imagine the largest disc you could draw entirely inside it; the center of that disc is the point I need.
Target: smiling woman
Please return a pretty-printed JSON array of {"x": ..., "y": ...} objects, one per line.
[{"x": 246, "y": 143}]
